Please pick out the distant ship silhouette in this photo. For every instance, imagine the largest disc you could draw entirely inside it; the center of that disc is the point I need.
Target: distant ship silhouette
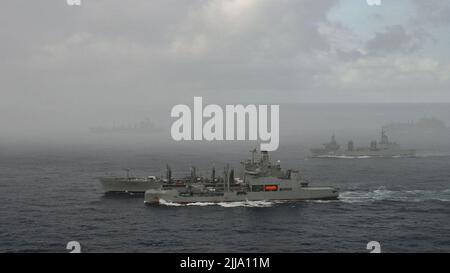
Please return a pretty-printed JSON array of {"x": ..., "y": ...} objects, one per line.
[
  {"x": 145, "y": 126},
  {"x": 432, "y": 124}
]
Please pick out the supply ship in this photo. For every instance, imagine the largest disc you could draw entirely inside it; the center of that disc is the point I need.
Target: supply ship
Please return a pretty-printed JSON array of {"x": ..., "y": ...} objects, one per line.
[
  {"x": 133, "y": 184},
  {"x": 263, "y": 181}
]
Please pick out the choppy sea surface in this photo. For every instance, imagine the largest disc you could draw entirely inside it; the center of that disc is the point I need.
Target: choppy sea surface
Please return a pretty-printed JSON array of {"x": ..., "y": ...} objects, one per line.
[{"x": 49, "y": 199}]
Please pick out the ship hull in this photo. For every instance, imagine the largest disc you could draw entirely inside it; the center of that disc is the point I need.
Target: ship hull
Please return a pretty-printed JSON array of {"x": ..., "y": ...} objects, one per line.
[
  {"x": 174, "y": 196},
  {"x": 128, "y": 186}
]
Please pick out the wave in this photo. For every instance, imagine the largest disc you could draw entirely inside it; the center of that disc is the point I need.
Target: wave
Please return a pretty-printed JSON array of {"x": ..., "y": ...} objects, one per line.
[
  {"x": 346, "y": 156},
  {"x": 200, "y": 204},
  {"x": 432, "y": 154},
  {"x": 383, "y": 194},
  {"x": 249, "y": 204},
  {"x": 168, "y": 203},
  {"x": 363, "y": 156},
  {"x": 322, "y": 201}
]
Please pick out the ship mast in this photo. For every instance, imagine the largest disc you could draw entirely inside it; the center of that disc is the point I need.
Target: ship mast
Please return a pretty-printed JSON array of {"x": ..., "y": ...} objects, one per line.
[
  {"x": 128, "y": 173},
  {"x": 213, "y": 174},
  {"x": 230, "y": 179},
  {"x": 193, "y": 174},
  {"x": 225, "y": 177},
  {"x": 384, "y": 138},
  {"x": 253, "y": 155},
  {"x": 168, "y": 173}
]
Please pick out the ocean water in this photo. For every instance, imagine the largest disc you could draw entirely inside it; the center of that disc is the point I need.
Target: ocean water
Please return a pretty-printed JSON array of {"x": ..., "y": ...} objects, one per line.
[{"x": 50, "y": 198}]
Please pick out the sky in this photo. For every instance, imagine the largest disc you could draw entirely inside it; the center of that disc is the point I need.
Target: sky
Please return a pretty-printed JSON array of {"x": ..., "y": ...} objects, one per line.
[{"x": 60, "y": 63}]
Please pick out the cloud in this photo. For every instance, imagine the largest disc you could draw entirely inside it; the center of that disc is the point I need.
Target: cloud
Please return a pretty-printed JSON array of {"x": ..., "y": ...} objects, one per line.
[
  {"x": 110, "y": 53},
  {"x": 434, "y": 12},
  {"x": 393, "y": 39},
  {"x": 249, "y": 28}
]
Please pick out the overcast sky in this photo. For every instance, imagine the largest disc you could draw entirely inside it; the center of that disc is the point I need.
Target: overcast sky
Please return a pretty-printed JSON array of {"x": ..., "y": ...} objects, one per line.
[{"x": 59, "y": 60}]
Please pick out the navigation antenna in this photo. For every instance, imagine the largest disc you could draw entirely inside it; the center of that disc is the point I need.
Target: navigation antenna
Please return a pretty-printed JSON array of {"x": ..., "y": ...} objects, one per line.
[
  {"x": 168, "y": 173},
  {"x": 225, "y": 177},
  {"x": 128, "y": 173},
  {"x": 253, "y": 155},
  {"x": 231, "y": 178}
]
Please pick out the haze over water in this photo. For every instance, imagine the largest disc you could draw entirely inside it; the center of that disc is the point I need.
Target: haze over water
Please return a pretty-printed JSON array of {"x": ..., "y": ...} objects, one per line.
[{"x": 50, "y": 195}]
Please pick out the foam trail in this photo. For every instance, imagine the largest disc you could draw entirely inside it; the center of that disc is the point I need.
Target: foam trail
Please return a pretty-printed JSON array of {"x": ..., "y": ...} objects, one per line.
[
  {"x": 383, "y": 194},
  {"x": 201, "y": 204},
  {"x": 171, "y": 204},
  {"x": 346, "y": 156},
  {"x": 249, "y": 204},
  {"x": 322, "y": 201},
  {"x": 432, "y": 154}
]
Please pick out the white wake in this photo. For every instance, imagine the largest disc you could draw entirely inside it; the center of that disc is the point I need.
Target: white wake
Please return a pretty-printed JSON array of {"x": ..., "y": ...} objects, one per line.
[
  {"x": 383, "y": 194},
  {"x": 249, "y": 204}
]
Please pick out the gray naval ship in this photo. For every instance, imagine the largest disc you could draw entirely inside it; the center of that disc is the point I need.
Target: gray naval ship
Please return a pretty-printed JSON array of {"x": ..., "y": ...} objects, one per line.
[
  {"x": 130, "y": 184},
  {"x": 145, "y": 126},
  {"x": 263, "y": 181},
  {"x": 384, "y": 148},
  {"x": 133, "y": 184}
]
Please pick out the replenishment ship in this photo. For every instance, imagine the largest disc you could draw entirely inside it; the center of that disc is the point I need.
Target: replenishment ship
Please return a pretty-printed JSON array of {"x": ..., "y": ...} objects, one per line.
[
  {"x": 263, "y": 181},
  {"x": 133, "y": 184},
  {"x": 129, "y": 184}
]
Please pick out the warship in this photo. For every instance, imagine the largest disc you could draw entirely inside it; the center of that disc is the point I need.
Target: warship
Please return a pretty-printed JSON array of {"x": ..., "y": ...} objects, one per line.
[
  {"x": 144, "y": 127},
  {"x": 263, "y": 181},
  {"x": 130, "y": 184},
  {"x": 384, "y": 148},
  {"x": 133, "y": 184},
  {"x": 421, "y": 127}
]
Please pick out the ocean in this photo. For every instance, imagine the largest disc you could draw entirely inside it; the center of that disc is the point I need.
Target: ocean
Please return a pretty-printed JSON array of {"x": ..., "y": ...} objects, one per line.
[{"x": 49, "y": 198}]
